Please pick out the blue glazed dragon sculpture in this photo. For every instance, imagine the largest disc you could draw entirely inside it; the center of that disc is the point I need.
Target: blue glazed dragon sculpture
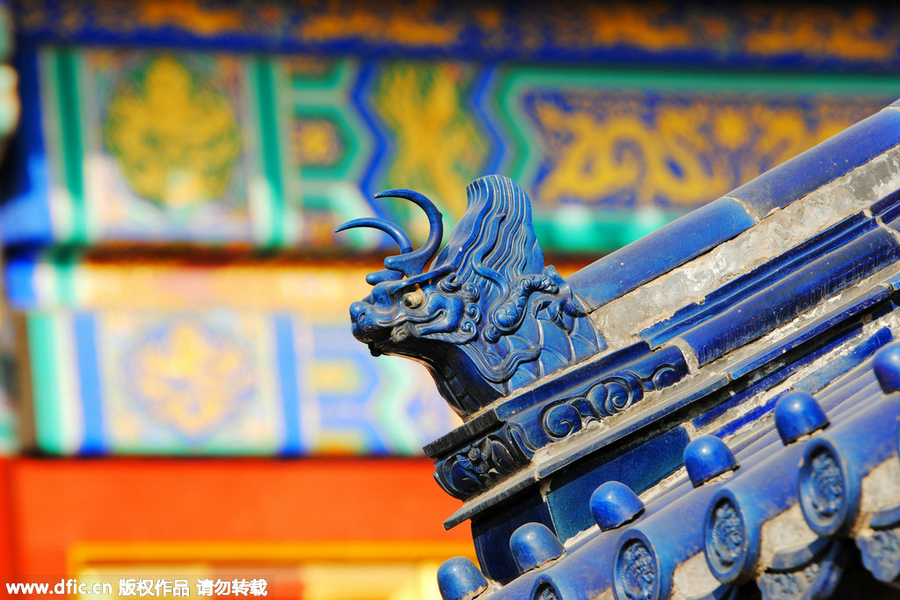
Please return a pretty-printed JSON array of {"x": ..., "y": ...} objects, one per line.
[{"x": 487, "y": 317}]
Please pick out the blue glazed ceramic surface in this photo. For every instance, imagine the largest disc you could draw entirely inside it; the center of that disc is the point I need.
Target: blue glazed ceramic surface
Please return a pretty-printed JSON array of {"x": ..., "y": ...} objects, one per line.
[{"x": 658, "y": 420}]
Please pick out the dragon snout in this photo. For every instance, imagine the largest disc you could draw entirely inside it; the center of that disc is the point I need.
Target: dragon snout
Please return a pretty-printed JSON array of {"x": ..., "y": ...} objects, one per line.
[
  {"x": 358, "y": 313},
  {"x": 361, "y": 318},
  {"x": 365, "y": 326}
]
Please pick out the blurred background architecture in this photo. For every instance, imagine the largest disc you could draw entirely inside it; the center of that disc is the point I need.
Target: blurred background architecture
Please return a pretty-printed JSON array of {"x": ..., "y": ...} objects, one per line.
[{"x": 181, "y": 392}]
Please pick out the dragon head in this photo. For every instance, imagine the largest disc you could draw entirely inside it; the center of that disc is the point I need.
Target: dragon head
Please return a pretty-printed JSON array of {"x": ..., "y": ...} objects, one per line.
[{"x": 478, "y": 318}]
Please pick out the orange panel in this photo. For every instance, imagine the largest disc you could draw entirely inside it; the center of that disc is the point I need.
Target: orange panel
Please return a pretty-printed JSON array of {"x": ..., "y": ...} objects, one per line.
[
  {"x": 59, "y": 504},
  {"x": 6, "y": 533}
]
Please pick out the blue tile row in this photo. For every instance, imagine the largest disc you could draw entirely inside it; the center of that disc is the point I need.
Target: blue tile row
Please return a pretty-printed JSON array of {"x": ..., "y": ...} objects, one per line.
[
  {"x": 873, "y": 303},
  {"x": 859, "y": 351},
  {"x": 759, "y": 279},
  {"x": 850, "y": 391},
  {"x": 766, "y": 368},
  {"x": 649, "y": 257},
  {"x": 840, "y": 365},
  {"x": 807, "y": 457},
  {"x": 823, "y": 163},
  {"x": 837, "y": 327},
  {"x": 817, "y": 280}
]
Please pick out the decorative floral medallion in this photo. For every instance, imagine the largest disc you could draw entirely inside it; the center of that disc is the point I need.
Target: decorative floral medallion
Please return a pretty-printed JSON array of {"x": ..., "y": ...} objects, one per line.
[
  {"x": 822, "y": 489},
  {"x": 190, "y": 375},
  {"x": 636, "y": 575},
  {"x": 725, "y": 537},
  {"x": 173, "y": 134}
]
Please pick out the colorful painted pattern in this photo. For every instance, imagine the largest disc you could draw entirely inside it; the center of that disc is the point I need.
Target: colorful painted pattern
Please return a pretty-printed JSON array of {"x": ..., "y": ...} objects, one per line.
[
  {"x": 174, "y": 137},
  {"x": 119, "y": 365},
  {"x": 278, "y": 151},
  {"x": 439, "y": 143},
  {"x": 669, "y": 149},
  {"x": 158, "y": 146},
  {"x": 685, "y": 33}
]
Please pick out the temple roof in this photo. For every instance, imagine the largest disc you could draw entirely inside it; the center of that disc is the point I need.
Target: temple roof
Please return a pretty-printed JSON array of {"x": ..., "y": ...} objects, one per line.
[{"x": 745, "y": 397}]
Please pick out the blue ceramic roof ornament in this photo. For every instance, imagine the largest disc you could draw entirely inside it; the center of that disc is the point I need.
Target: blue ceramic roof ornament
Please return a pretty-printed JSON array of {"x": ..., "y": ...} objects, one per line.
[
  {"x": 533, "y": 544},
  {"x": 707, "y": 457},
  {"x": 709, "y": 412},
  {"x": 613, "y": 504},
  {"x": 887, "y": 368},
  {"x": 798, "y": 414},
  {"x": 460, "y": 579},
  {"x": 487, "y": 316}
]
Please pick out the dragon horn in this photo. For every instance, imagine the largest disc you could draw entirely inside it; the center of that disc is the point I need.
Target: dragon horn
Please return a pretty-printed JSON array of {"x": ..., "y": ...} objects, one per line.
[
  {"x": 386, "y": 226},
  {"x": 413, "y": 263},
  {"x": 392, "y": 230}
]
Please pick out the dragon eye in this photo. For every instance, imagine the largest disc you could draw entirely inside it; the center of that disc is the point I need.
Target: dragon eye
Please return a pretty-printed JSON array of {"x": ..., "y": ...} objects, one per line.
[{"x": 413, "y": 299}]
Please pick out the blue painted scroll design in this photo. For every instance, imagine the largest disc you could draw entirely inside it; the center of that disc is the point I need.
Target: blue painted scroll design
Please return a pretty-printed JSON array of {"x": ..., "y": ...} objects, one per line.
[{"x": 488, "y": 317}]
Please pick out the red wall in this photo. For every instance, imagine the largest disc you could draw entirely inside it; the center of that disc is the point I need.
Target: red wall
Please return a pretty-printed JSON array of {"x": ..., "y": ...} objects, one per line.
[{"x": 47, "y": 505}]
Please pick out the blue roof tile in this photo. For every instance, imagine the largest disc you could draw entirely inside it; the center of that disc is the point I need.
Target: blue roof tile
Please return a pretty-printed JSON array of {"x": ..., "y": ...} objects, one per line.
[
  {"x": 827, "y": 161},
  {"x": 653, "y": 255}
]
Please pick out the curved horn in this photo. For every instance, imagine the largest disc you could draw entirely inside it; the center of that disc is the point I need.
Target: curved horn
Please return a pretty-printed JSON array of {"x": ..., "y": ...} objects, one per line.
[
  {"x": 413, "y": 263},
  {"x": 392, "y": 230},
  {"x": 386, "y": 226}
]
